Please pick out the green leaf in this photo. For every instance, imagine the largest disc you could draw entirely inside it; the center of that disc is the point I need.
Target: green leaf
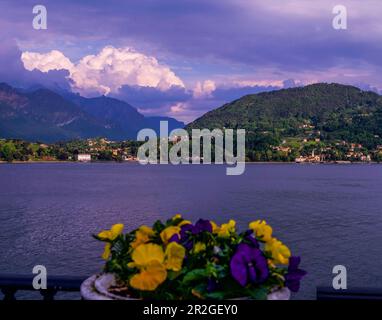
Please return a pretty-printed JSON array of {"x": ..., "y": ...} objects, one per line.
[
  {"x": 158, "y": 226},
  {"x": 217, "y": 295},
  {"x": 257, "y": 293},
  {"x": 194, "y": 275},
  {"x": 173, "y": 274}
]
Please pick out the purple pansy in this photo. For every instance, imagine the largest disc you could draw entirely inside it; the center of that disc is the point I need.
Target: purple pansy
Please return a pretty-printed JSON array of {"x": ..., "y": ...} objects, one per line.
[
  {"x": 248, "y": 265},
  {"x": 202, "y": 226},
  {"x": 189, "y": 229},
  {"x": 294, "y": 275}
]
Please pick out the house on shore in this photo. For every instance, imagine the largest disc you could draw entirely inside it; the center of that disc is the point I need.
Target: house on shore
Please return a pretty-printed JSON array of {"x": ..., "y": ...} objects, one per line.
[{"x": 84, "y": 157}]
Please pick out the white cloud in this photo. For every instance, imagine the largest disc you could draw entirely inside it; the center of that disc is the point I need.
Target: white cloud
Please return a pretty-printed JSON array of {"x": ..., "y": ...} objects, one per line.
[
  {"x": 205, "y": 89},
  {"x": 53, "y": 60},
  {"x": 107, "y": 71}
]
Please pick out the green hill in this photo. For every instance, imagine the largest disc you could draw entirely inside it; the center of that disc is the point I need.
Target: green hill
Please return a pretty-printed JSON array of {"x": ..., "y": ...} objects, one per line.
[{"x": 324, "y": 113}]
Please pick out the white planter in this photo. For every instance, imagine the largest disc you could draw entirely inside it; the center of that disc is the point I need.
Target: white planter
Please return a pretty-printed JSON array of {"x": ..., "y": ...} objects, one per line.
[{"x": 97, "y": 288}]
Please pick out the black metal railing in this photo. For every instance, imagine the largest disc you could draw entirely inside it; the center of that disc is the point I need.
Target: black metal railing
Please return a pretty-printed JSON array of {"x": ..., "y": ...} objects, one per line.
[
  {"x": 10, "y": 284},
  {"x": 328, "y": 293}
]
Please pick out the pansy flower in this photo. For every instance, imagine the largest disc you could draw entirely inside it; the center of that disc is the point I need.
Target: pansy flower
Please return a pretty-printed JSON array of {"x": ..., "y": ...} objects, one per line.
[
  {"x": 262, "y": 230},
  {"x": 280, "y": 252},
  {"x": 148, "y": 258},
  {"x": 110, "y": 235},
  {"x": 168, "y": 233},
  {"x": 226, "y": 229},
  {"x": 294, "y": 275},
  {"x": 174, "y": 256},
  {"x": 142, "y": 235},
  {"x": 248, "y": 265}
]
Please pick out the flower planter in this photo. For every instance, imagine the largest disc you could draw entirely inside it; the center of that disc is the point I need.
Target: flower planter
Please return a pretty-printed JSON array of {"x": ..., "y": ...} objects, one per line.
[
  {"x": 97, "y": 287},
  {"x": 177, "y": 259}
]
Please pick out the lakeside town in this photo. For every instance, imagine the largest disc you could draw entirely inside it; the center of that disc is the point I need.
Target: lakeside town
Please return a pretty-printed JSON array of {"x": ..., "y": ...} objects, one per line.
[{"x": 305, "y": 150}]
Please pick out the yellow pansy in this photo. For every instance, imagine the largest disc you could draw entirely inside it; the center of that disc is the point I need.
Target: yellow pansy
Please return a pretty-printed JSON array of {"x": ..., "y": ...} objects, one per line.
[
  {"x": 148, "y": 258},
  {"x": 151, "y": 276},
  {"x": 280, "y": 252},
  {"x": 142, "y": 235},
  {"x": 174, "y": 256},
  {"x": 215, "y": 228},
  {"x": 199, "y": 247},
  {"x": 106, "y": 251},
  {"x": 177, "y": 216},
  {"x": 145, "y": 253},
  {"x": 262, "y": 230},
  {"x": 111, "y": 234},
  {"x": 167, "y": 233},
  {"x": 226, "y": 229}
]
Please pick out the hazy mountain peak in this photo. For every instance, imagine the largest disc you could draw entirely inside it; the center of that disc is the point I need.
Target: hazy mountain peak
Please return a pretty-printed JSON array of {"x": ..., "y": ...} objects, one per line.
[{"x": 46, "y": 115}]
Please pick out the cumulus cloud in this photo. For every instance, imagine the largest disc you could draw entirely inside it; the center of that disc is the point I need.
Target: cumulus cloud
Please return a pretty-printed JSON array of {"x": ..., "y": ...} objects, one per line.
[
  {"x": 107, "y": 71},
  {"x": 13, "y": 71},
  {"x": 53, "y": 60}
]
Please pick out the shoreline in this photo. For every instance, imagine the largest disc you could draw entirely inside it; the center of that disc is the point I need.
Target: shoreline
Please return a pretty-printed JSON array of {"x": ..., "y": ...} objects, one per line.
[{"x": 136, "y": 161}]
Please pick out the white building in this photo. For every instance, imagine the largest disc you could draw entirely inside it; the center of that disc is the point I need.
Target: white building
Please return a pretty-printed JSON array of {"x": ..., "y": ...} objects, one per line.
[{"x": 84, "y": 157}]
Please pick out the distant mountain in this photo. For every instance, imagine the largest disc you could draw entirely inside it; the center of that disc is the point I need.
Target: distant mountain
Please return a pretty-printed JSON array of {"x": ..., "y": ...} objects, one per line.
[
  {"x": 44, "y": 115},
  {"x": 117, "y": 113},
  {"x": 332, "y": 111},
  {"x": 122, "y": 114}
]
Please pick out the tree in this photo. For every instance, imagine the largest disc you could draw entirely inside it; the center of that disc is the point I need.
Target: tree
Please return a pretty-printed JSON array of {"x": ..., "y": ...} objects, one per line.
[{"x": 8, "y": 151}]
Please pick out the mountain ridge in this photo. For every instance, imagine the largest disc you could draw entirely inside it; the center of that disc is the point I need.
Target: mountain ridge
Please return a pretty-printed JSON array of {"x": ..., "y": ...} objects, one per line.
[{"x": 46, "y": 115}]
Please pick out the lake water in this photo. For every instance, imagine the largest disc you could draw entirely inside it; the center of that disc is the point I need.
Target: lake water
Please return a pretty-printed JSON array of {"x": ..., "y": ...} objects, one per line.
[{"x": 328, "y": 214}]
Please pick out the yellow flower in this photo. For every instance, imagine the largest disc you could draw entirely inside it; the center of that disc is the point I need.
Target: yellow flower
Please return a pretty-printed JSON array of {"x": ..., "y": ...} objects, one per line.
[
  {"x": 199, "y": 247},
  {"x": 150, "y": 277},
  {"x": 174, "y": 256},
  {"x": 111, "y": 234},
  {"x": 142, "y": 235},
  {"x": 107, "y": 251},
  {"x": 167, "y": 233},
  {"x": 215, "y": 228},
  {"x": 262, "y": 230},
  {"x": 177, "y": 216},
  {"x": 148, "y": 258},
  {"x": 145, "y": 253},
  {"x": 280, "y": 252},
  {"x": 226, "y": 229}
]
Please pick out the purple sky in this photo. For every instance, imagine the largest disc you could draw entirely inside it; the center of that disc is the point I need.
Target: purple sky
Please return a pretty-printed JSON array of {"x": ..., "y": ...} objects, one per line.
[{"x": 182, "y": 58}]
